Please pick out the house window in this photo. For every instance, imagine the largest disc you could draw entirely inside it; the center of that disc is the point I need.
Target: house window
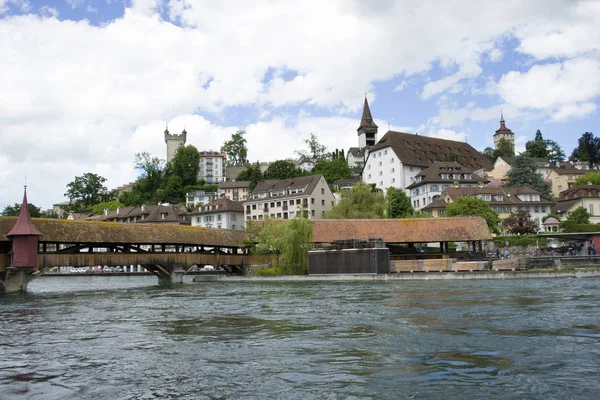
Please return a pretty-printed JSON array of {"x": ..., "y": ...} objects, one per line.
[
  {"x": 233, "y": 217},
  {"x": 297, "y": 201},
  {"x": 312, "y": 200},
  {"x": 254, "y": 206},
  {"x": 163, "y": 215},
  {"x": 434, "y": 188},
  {"x": 380, "y": 173},
  {"x": 369, "y": 166},
  {"x": 385, "y": 152},
  {"x": 312, "y": 212},
  {"x": 278, "y": 215},
  {"x": 380, "y": 183},
  {"x": 218, "y": 217},
  {"x": 393, "y": 180},
  {"x": 198, "y": 220},
  {"x": 369, "y": 176},
  {"x": 323, "y": 202},
  {"x": 322, "y": 190},
  {"x": 278, "y": 204},
  {"x": 392, "y": 170},
  {"x": 380, "y": 163},
  {"x": 392, "y": 160},
  {"x": 591, "y": 209},
  {"x": 441, "y": 213}
]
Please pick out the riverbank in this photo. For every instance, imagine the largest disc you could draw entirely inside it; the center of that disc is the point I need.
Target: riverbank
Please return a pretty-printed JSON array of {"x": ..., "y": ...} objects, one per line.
[{"x": 577, "y": 273}]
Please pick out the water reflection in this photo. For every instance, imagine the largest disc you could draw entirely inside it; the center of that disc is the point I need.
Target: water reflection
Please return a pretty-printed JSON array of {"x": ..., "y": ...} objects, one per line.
[{"x": 115, "y": 338}]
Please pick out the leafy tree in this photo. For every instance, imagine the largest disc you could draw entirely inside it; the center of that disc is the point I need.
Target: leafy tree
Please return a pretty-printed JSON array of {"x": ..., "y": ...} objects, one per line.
[
  {"x": 593, "y": 177},
  {"x": 85, "y": 191},
  {"x": 252, "y": 173},
  {"x": 291, "y": 239},
  {"x": 185, "y": 164},
  {"x": 536, "y": 148},
  {"x": 490, "y": 154},
  {"x": 333, "y": 170},
  {"x": 146, "y": 189},
  {"x": 588, "y": 149},
  {"x": 555, "y": 152},
  {"x": 111, "y": 205},
  {"x": 398, "y": 204},
  {"x": 236, "y": 149},
  {"x": 14, "y": 211},
  {"x": 580, "y": 216},
  {"x": 315, "y": 151},
  {"x": 524, "y": 173},
  {"x": 505, "y": 148},
  {"x": 359, "y": 202},
  {"x": 283, "y": 169},
  {"x": 472, "y": 206},
  {"x": 520, "y": 223},
  {"x": 173, "y": 190}
]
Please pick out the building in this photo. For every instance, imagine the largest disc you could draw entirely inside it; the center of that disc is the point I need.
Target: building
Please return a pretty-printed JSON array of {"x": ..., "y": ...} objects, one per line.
[
  {"x": 563, "y": 177},
  {"x": 234, "y": 190},
  {"x": 286, "y": 198},
  {"x": 504, "y": 133},
  {"x": 504, "y": 200},
  {"x": 221, "y": 214},
  {"x": 398, "y": 157},
  {"x": 586, "y": 196},
  {"x": 428, "y": 185},
  {"x": 367, "y": 137},
  {"x": 199, "y": 197},
  {"x": 171, "y": 214},
  {"x": 307, "y": 164},
  {"x": 504, "y": 164},
  {"x": 212, "y": 167},
  {"x": 173, "y": 142}
]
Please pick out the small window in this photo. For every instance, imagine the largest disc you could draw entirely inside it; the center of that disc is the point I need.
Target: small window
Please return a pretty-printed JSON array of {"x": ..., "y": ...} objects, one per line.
[
  {"x": 322, "y": 190},
  {"x": 312, "y": 200},
  {"x": 323, "y": 202},
  {"x": 380, "y": 163},
  {"x": 312, "y": 213}
]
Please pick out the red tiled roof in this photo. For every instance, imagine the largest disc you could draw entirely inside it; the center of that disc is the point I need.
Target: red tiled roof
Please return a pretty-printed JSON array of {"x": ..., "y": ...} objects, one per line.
[
  {"x": 24, "y": 225},
  {"x": 417, "y": 230}
]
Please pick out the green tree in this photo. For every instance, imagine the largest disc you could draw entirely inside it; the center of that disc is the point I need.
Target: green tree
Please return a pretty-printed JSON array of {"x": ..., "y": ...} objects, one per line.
[
  {"x": 555, "y": 152},
  {"x": 593, "y": 177},
  {"x": 398, "y": 204},
  {"x": 588, "y": 149},
  {"x": 490, "y": 154},
  {"x": 472, "y": 206},
  {"x": 236, "y": 149},
  {"x": 14, "y": 211},
  {"x": 316, "y": 150},
  {"x": 185, "y": 164},
  {"x": 291, "y": 239},
  {"x": 111, "y": 205},
  {"x": 283, "y": 169},
  {"x": 505, "y": 148},
  {"x": 524, "y": 173},
  {"x": 253, "y": 174},
  {"x": 333, "y": 170},
  {"x": 580, "y": 216},
  {"x": 150, "y": 179},
  {"x": 536, "y": 148},
  {"x": 85, "y": 191},
  {"x": 520, "y": 223},
  {"x": 359, "y": 202}
]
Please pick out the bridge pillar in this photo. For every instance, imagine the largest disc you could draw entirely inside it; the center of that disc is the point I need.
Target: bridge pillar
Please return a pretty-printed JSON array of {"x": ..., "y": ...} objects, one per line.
[
  {"x": 15, "y": 280},
  {"x": 170, "y": 274}
]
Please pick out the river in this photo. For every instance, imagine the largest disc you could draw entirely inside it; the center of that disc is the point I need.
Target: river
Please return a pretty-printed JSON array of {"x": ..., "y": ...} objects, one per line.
[{"x": 127, "y": 338}]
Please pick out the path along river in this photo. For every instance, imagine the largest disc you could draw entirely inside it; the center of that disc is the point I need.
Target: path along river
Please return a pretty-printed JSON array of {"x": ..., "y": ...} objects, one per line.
[{"x": 126, "y": 338}]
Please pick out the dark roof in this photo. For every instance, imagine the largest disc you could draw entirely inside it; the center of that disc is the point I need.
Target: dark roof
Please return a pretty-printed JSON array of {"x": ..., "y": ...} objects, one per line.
[
  {"x": 565, "y": 205},
  {"x": 418, "y": 230},
  {"x": 174, "y": 213},
  {"x": 234, "y": 184},
  {"x": 580, "y": 191},
  {"x": 307, "y": 182},
  {"x": 509, "y": 194},
  {"x": 220, "y": 205},
  {"x": 503, "y": 129},
  {"x": 357, "y": 152},
  {"x": 346, "y": 182},
  {"x": 566, "y": 170},
  {"x": 63, "y": 231},
  {"x": 366, "y": 121},
  {"x": 432, "y": 174},
  {"x": 24, "y": 225},
  {"x": 424, "y": 150},
  {"x": 437, "y": 203}
]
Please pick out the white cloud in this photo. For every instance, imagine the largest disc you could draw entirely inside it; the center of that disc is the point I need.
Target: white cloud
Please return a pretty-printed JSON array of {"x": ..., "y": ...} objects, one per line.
[
  {"x": 82, "y": 98},
  {"x": 448, "y": 134},
  {"x": 75, "y": 3},
  {"x": 553, "y": 86}
]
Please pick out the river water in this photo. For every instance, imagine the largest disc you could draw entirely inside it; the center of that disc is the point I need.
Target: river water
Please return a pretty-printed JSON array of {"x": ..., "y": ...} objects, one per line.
[{"x": 126, "y": 338}]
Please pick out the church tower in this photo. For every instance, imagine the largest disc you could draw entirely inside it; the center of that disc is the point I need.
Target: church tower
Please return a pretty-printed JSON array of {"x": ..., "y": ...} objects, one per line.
[
  {"x": 173, "y": 142},
  {"x": 504, "y": 133},
  {"x": 367, "y": 131}
]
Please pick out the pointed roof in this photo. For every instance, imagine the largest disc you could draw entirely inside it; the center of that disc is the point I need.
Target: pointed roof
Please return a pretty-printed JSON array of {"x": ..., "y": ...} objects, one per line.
[
  {"x": 366, "y": 121},
  {"x": 24, "y": 225},
  {"x": 503, "y": 129}
]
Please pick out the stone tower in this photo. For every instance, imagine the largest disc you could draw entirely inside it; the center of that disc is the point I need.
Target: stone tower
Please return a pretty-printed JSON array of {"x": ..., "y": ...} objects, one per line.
[
  {"x": 504, "y": 133},
  {"x": 173, "y": 142},
  {"x": 367, "y": 131}
]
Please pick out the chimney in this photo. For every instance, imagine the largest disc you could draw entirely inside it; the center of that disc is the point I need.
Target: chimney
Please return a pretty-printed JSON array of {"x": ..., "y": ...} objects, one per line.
[
  {"x": 143, "y": 206},
  {"x": 118, "y": 210},
  {"x": 106, "y": 212}
]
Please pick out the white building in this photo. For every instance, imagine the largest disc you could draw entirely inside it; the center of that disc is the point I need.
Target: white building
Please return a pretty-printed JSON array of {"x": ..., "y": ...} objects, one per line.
[
  {"x": 307, "y": 164},
  {"x": 199, "y": 197},
  {"x": 286, "y": 198},
  {"x": 212, "y": 167},
  {"x": 221, "y": 214},
  {"x": 234, "y": 190},
  {"x": 398, "y": 157},
  {"x": 429, "y": 184}
]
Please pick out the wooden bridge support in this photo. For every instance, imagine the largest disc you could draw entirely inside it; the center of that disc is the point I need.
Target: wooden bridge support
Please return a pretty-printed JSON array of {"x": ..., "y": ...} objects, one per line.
[{"x": 15, "y": 280}]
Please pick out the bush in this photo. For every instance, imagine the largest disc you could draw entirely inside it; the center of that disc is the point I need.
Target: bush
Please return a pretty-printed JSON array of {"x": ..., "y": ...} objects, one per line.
[
  {"x": 269, "y": 271},
  {"x": 522, "y": 241}
]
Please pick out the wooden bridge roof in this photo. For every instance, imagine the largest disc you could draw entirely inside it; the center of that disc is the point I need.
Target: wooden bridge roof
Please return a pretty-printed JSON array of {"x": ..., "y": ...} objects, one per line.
[
  {"x": 64, "y": 231},
  {"x": 416, "y": 230}
]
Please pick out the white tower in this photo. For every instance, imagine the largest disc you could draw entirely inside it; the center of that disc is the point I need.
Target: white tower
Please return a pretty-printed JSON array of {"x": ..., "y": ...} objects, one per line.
[{"x": 173, "y": 142}]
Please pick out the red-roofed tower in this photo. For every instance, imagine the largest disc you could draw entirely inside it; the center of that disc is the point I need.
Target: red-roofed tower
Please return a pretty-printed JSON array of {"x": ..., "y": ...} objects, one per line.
[
  {"x": 504, "y": 133},
  {"x": 367, "y": 131},
  {"x": 24, "y": 237}
]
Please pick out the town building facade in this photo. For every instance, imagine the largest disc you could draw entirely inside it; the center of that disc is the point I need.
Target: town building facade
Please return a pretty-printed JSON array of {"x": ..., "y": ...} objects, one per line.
[
  {"x": 428, "y": 185},
  {"x": 212, "y": 167},
  {"x": 220, "y": 214},
  {"x": 171, "y": 214},
  {"x": 563, "y": 177},
  {"x": 199, "y": 197},
  {"x": 586, "y": 196},
  {"x": 234, "y": 190},
  {"x": 284, "y": 199}
]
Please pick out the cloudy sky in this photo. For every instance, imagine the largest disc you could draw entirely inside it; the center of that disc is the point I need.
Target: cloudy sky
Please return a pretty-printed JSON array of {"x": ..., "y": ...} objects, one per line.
[{"x": 86, "y": 84}]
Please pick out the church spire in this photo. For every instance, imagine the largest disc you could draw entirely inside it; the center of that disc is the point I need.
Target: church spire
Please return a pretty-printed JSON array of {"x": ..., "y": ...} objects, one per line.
[
  {"x": 24, "y": 225},
  {"x": 366, "y": 121},
  {"x": 502, "y": 123}
]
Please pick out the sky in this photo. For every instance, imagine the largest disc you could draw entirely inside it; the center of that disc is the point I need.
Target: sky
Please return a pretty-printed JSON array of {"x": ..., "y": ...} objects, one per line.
[{"x": 87, "y": 84}]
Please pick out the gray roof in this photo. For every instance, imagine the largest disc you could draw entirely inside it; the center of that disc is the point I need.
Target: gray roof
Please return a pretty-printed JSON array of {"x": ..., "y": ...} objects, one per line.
[
  {"x": 433, "y": 174},
  {"x": 234, "y": 184},
  {"x": 307, "y": 182},
  {"x": 220, "y": 205}
]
